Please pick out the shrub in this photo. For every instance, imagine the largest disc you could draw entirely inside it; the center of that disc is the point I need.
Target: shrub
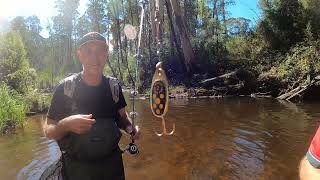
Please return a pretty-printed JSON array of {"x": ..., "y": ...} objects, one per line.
[{"x": 12, "y": 109}]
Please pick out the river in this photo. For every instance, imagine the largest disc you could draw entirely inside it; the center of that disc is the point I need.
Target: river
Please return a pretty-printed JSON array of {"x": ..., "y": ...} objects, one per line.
[{"x": 224, "y": 138}]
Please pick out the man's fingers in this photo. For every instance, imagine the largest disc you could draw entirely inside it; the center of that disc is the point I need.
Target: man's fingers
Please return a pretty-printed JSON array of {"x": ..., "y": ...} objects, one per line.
[
  {"x": 88, "y": 121},
  {"x": 137, "y": 133},
  {"x": 89, "y": 116},
  {"x": 86, "y": 126},
  {"x": 84, "y": 129}
]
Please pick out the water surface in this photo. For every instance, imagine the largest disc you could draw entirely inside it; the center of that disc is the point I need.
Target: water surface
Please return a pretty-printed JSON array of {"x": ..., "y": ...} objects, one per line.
[{"x": 226, "y": 138}]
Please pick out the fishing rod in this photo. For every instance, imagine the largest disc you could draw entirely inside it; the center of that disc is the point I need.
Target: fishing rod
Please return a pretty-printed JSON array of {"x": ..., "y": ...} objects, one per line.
[
  {"x": 159, "y": 96},
  {"x": 131, "y": 34}
]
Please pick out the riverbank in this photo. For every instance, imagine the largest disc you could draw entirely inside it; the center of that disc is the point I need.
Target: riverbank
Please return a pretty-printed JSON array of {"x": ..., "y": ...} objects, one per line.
[
  {"x": 181, "y": 92},
  {"x": 245, "y": 83},
  {"x": 39, "y": 102},
  {"x": 15, "y": 107},
  {"x": 232, "y": 84}
]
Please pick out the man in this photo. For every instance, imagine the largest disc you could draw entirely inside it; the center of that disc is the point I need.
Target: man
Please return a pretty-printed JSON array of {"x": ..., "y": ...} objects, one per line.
[
  {"x": 310, "y": 164},
  {"x": 86, "y": 112}
]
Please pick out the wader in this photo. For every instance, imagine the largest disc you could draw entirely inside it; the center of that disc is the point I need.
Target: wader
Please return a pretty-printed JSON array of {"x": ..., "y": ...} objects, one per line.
[{"x": 95, "y": 155}]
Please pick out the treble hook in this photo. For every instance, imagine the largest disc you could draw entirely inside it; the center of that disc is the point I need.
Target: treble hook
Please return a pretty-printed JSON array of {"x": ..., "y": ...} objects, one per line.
[{"x": 164, "y": 129}]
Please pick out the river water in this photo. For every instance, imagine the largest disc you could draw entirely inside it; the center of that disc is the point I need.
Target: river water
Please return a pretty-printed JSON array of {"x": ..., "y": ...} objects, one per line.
[{"x": 225, "y": 138}]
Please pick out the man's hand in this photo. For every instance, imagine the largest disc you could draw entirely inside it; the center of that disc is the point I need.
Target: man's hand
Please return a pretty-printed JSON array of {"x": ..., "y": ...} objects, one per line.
[
  {"x": 79, "y": 124},
  {"x": 135, "y": 133},
  {"x": 127, "y": 123}
]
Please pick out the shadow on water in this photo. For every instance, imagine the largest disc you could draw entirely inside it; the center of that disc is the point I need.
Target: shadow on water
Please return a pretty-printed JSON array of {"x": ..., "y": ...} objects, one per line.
[{"x": 229, "y": 138}]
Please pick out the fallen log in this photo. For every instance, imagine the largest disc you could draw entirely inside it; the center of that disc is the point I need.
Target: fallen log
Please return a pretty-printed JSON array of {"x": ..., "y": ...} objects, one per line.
[
  {"x": 288, "y": 94},
  {"x": 219, "y": 77},
  {"x": 296, "y": 92}
]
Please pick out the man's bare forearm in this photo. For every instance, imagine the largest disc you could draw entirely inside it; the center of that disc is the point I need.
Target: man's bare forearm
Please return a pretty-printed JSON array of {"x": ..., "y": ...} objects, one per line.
[
  {"x": 54, "y": 130},
  {"x": 124, "y": 120},
  {"x": 307, "y": 171}
]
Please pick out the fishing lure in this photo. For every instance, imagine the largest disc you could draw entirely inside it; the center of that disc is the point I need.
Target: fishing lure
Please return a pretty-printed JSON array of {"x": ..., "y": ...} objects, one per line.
[{"x": 159, "y": 98}]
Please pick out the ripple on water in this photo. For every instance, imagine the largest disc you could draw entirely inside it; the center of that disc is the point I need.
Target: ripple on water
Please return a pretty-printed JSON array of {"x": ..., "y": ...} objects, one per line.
[
  {"x": 44, "y": 155},
  {"x": 215, "y": 139}
]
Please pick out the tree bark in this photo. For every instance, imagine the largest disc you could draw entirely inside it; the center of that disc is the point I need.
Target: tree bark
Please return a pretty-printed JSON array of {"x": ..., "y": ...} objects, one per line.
[
  {"x": 174, "y": 37},
  {"x": 185, "y": 40},
  {"x": 152, "y": 20},
  {"x": 119, "y": 66},
  {"x": 96, "y": 22},
  {"x": 108, "y": 60},
  {"x": 119, "y": 40},
  {"x": 223, "y": 4}
]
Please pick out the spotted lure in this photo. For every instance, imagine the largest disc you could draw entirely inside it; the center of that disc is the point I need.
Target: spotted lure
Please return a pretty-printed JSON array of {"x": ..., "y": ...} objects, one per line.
[{"x": 159, "y": 98}]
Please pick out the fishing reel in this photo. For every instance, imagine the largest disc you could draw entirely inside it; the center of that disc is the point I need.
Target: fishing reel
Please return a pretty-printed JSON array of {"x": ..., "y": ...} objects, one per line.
[{"x": 132, "y": 149}]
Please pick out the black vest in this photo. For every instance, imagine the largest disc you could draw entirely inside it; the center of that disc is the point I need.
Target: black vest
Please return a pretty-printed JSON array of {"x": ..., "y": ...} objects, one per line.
[{"x": 104, "y": 136}]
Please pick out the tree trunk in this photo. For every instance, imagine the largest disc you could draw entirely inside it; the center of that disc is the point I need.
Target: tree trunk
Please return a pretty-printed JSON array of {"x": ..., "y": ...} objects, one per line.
[
  {"x": 119, "y": 40},
  {"x": 150, "y": 40},
  {"x": 223, "y": 4},
  {"x": 174, "y": 37},
  {"x": 112, "y": 70},
  {"x": 215, "y": 16},
  {"x": 108, "y": 60},
  {"x": 185, "y": 40},
  {"x": 119, "y": 66},
  {"x": 96, "y": 22}
]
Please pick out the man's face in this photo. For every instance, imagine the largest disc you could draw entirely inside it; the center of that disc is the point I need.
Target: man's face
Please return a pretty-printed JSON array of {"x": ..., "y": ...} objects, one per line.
[{"x": 93, "y": 56}]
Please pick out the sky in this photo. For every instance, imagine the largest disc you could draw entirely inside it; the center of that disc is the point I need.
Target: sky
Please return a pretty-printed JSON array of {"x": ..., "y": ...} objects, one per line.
[
  {"x": 44, "y": 9},
  {"x": 246, "y": 8}
]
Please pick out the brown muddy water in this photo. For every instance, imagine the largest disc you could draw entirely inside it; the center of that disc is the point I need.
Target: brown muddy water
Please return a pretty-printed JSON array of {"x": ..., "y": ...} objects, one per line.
[{"x": 227, "y": 138}]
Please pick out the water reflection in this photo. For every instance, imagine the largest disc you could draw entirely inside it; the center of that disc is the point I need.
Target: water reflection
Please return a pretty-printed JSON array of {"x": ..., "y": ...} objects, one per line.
[{"x": 229, "y": 138}]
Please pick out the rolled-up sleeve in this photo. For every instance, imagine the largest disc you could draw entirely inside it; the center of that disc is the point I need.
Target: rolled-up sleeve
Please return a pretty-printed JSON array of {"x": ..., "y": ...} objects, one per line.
[
  {"x": 57, "y": 110},
  {"x": 313, "y": 154},
  {"x": 122, "y": 102}
]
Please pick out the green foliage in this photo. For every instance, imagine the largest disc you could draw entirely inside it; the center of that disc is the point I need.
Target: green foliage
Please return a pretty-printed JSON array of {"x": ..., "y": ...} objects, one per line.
[
  {"x": 283, "y": 24},
  {"x": 284, "y": 44},
  {"x": 240, "y": 49},
  {"x": 237, "y": 46},
  {"x": 45, "y": 80},
  {"x": 312, "y": 12},
  {"x": 300, "y": 66},
  {"x": 29, "y": 29},
  {"x": 12, "y": 109},
  {"x": 38, "y": 101},
  {"x": 123, "y": 68},
  {"x": 238, "y": 26},
  {"x": 97, "y": 14},
  {"x": 14, "y": 65},
  {"x": 132, "y": 67}
]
